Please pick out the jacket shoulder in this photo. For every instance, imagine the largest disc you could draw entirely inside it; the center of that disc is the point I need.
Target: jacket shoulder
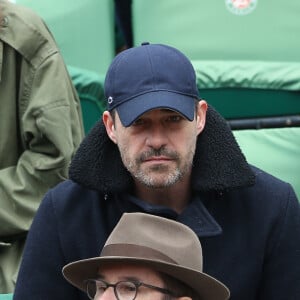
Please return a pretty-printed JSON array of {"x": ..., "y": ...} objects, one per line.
[
  {"x": 69, "y": 190},
  {"x": 22, "y": 29},
  {"x": 268, "y": 196},
  {"x": 266, "y": 182}
]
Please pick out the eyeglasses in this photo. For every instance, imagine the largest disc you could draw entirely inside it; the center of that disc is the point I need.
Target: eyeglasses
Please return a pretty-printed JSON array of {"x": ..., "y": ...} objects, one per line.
[{"x": 124, "y": 290}]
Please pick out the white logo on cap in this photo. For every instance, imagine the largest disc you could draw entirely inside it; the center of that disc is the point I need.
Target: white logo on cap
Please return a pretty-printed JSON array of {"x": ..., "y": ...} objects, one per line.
[
  {"x": 241, "y": 7},
  {"x": 110, "y": 100}
]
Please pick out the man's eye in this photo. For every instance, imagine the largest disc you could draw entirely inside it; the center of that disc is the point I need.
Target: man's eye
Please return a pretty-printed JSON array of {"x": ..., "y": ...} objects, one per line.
[
  {"x": 138, "y": 122},
  {"x": 126, "y": 288},
  {"x": 101, "y": 289},
  {"x": 175, "y": 118}
]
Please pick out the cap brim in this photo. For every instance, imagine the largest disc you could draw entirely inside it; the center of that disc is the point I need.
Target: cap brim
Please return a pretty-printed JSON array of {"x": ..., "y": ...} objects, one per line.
[
  {"x": 206, "y": 286},
  {"x": 132, "y": 109}
]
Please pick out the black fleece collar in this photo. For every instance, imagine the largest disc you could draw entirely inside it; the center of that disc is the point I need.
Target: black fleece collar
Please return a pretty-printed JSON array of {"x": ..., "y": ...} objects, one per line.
[{"x": 219, "y": 164}]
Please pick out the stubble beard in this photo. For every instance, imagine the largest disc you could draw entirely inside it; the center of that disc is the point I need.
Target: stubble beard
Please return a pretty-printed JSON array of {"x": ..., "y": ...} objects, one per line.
[{"x": 160, "y": 175}]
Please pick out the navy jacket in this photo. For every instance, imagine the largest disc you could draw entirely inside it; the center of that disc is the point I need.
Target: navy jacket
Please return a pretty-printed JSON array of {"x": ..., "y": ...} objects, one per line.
[{"x": 248, "y": 221}]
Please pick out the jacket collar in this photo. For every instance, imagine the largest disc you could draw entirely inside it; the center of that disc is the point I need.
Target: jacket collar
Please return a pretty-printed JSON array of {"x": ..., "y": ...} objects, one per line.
[
  {"x": 195, "y": 215},
  {"x": 219, "y": 164}
]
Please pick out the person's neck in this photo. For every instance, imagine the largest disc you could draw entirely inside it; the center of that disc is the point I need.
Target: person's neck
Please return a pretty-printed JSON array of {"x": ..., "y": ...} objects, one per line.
[{"x": 175, "y": 197}]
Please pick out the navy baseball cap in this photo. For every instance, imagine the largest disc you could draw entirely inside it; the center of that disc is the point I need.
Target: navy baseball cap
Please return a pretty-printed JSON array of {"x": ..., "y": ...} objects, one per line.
[{"x": 148, "y": 77}]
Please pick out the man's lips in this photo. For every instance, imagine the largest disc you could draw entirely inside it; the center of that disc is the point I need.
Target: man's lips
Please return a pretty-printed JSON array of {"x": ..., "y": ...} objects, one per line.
[{"x": 156, "y": 159}]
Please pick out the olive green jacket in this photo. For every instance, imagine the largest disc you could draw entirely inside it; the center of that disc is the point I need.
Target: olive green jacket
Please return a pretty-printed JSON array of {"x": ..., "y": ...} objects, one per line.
[{"x": 40, "y": 126}]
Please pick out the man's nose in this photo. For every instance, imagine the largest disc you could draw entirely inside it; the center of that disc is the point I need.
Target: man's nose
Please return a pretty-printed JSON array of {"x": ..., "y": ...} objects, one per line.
[{"x": 157, "y": 137}]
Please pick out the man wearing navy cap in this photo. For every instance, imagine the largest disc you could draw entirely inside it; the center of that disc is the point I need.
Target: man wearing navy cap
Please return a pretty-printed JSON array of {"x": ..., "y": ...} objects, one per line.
[{"x": 161, "y": 149}]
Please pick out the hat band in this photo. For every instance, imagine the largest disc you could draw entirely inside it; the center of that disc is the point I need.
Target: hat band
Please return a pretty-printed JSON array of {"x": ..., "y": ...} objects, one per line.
[{"x": 135, "y": 251}]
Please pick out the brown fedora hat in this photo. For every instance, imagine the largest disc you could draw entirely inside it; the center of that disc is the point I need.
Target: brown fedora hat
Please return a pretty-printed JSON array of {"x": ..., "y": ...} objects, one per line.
[{"x": 161, "y": 244}]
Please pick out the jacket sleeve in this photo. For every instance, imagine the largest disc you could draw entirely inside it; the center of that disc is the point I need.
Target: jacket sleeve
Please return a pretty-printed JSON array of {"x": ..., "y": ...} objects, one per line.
[
  {"x": 51, "y": 129},
  {"x": 43, "y": 253},
  {"x": 281, "y": 274}
]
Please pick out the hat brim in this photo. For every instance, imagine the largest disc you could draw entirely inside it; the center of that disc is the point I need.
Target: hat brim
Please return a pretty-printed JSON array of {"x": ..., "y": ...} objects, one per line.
[
  {"x": 132, "y": 109},
  {"x": 206, "y": 286}
]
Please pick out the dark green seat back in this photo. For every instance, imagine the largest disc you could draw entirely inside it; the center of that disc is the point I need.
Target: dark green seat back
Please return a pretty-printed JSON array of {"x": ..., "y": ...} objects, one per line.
[{"x": 275, "y": 150}]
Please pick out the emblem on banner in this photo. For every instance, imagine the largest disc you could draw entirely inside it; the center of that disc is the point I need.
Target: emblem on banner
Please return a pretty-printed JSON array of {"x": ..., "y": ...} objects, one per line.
[{"x": 241, "y": 7}]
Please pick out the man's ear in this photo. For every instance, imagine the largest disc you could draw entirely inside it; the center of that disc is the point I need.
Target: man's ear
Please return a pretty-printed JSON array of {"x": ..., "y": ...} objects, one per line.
[
  {"x": 109, "y": 125},
  {"x": 201, "y": 115}
]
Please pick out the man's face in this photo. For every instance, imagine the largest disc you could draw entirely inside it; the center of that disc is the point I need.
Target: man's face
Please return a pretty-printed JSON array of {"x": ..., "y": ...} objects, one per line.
[
  {"x": 126, "y": 272},
  {"x": 158, "y": 148}
]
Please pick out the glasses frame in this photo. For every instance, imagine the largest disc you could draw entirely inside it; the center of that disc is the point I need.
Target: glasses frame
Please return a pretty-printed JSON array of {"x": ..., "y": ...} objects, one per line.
[{"x": 137, "y": 285}]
